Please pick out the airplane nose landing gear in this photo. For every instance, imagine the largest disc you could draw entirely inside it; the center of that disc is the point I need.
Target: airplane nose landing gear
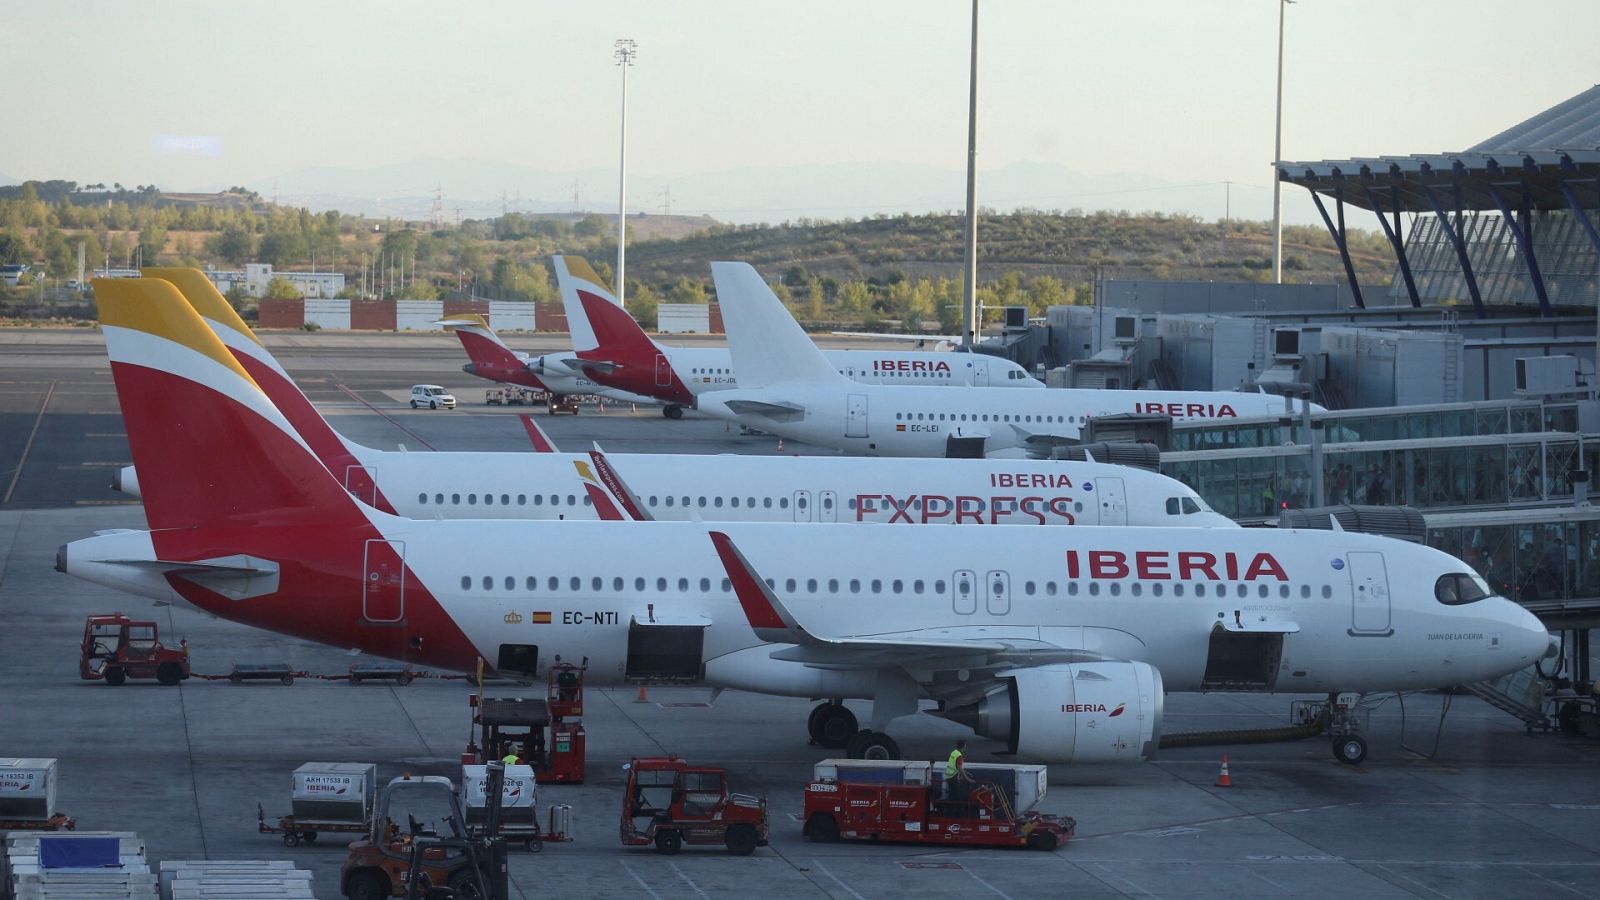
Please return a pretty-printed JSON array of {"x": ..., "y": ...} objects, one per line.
[
  {"x": 872, "y": 745},
  {"x": 832, "y": 725},
  {"x": 1349, "y": 747}
]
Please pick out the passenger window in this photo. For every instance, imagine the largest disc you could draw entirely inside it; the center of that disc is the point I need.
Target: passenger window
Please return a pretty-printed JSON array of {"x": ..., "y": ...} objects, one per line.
[
  {"x": 1134, "y": 589},
  {"x": 1094, "y": 588},
  {"x": 669, "y": 501},
  {"x": 916, "y": 586},
  {"x": 1283, "y": 591},
  {"x": 855, "y": 585},
  {"x": 1072, "y": 589},
  {"x": 811, "y": 585},
  {"x": 554, "y": 583},
  {"x": 575, "y": 583},
  {"x": 466, "y": 582},
  {"x": 505, "y": 499},
  {"x": 683, "y": 585},
  {"x": 538, "y": 499},
  {"x": 1263, "y": 591},
  {"x": 1155, "y": 589},
  {"x": 898, "y": 586},
  {"x": 661, "y": 585},
  {"x": 766, "y": 502},
  {"x": 783, "y": 502},
  {"x": 788, "y": 586},
  {"x": 616, "y": 585},
  {"x": 1305, "y": 590},
  {"x": 597, "y": 584},
  {"x": 1327, "y": 591},
  {"x": 438, "y": 498},
  {"x": 530, "y": 583},
  {"x": 472, "y": 499},
  {"x": 423, "y": 499},
  {"x": 488, "y": 583},
  {"x": 638, "y": 585},
  {"x": 1243, "y": 589},
  {"x": 1027, "y": 588},
  {"x": 1177, "y": 590},
  {"x": 1199, "y": 590},
  {"x": 488, "y": 499},
  {"x": 833, "y": 585},
  {"x": 726, "y": 585},
  {"x": 511, "y": 583},
  {"x": 522, "y": 499},
  {"x": 877, "y": 586},
  {"x": 455, "y": 499},
  {"x": 717, "y": 502},
  {"x": 1049, "y": 588},
  {"x": 573, "y": 501},
  {"x": 1116, "y": 589},
  {"x": 705, "y": 585},
  {"x": 702, "y": 503},
  {"x": 734, "y": 502}
]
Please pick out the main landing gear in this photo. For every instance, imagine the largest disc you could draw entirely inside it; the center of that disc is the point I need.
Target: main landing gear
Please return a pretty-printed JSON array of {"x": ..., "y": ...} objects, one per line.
[
  {"x": 834, "y": 727},
  {"x": 672, "y": 411}
]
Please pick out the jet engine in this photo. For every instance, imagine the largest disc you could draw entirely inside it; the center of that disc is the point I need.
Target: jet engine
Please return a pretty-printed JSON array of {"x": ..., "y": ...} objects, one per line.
[{"x": 1078, "y": 712}]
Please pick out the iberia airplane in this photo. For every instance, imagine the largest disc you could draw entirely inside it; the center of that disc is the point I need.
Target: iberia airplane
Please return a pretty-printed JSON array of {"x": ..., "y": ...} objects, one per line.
[
  {"x": 710, "y": 488},
  {"x": 612, "y": 349},
  {"x": 788, "y": 388},
  {"x": 494, "y": 361},
  {"x": 1061, "y": 643}
]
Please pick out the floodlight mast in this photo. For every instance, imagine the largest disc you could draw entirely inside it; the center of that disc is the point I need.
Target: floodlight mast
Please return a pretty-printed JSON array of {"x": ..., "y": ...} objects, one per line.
[
  {"x": 1277, "y": 158},
  {"x": 971, "y": 316},
  {"x": 624, "y": 50}
]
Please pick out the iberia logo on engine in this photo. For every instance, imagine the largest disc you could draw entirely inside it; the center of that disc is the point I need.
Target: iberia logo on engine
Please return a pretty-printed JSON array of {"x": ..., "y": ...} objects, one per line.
[{"x": 1092, "y": 708}]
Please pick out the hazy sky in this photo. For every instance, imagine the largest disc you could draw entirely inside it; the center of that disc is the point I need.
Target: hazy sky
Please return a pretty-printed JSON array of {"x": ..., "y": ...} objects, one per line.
[{"x": 1178, "y": 89}]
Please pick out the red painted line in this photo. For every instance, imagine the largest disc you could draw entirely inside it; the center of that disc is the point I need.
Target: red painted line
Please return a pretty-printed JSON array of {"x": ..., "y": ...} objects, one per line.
[{"x": 391, "y": 419}]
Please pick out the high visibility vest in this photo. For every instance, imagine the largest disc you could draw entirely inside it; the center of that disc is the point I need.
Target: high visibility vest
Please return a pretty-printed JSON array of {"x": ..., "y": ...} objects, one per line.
[
  {"x": 510, "y": 760},
  {"x": 952, "y": 766}
]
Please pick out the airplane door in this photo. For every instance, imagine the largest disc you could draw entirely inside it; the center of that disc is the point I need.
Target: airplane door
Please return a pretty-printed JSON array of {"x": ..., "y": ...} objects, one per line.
[
  {"x": 828, "y": 506},
  {"x": 362, "y": 483},
  {"x": 663, "y": 371},
  {"x": 1113, "y": 501},
  {"x": 1369, "y": 593},
  {"x": 964, "y": 592},
  {"x": 855, "y": 415},
  {"x": 802, "y": 506},
  {"x": 383, "y": 583},
  {"x": 998, "y": 586}
]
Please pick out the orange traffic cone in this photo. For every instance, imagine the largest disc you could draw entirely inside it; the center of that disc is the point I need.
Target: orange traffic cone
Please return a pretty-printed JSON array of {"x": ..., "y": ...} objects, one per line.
[
  {"x": 1222, "y": 780},
  {"x": 780, "y": 445},
  {"x": 644, "y": 695}
]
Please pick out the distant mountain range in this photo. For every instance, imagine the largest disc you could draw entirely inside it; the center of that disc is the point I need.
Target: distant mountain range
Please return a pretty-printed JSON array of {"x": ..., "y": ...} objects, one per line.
[{"x": 478, "y": 189}]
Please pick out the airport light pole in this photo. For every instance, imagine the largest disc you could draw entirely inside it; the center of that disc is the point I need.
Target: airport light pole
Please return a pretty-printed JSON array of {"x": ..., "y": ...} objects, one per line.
[
  {"x": 624, "y": 50},
  {"x": 1277, "y": 157},
  {"x": 971, "y": 318}
]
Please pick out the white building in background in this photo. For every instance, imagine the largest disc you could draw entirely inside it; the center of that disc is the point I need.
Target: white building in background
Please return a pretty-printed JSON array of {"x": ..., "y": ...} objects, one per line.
[
  {"x": 256, "y": 276},
  {"x": 683, "y": 318}
]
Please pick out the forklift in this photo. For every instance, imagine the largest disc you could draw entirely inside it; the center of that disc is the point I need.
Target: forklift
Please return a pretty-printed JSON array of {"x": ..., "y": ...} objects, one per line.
[
  {"x": 116, "y": 648},
  {"x": 670, "y": 803},
  {"x": 433, "y": 857},
  {"x": 547, "y": 734}
]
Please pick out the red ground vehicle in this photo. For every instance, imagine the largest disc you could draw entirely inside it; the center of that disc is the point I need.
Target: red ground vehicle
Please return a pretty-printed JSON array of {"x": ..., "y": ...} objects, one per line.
[
  {"x": 670, "y": 803},
  {"x": 116, "y": 648},
  {"x": 548, "y": 734},
  {"x": 895, "y": 800}
]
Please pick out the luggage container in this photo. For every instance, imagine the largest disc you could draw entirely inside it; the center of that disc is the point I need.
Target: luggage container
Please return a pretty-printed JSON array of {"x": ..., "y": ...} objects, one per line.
[
  {"x": 28, "y": 795},
  {"x": 519, "y": 808},
  {"x": 326, "y": 797}
]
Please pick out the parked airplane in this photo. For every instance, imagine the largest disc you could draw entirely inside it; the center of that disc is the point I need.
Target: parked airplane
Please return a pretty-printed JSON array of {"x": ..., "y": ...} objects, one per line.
[
  {"x": 712, "y": 488},
  {"x": 1060, "y": 644},
  {"x": 612, "y": 349},
  {"x": 493, "y": 360},
  {"x": 789, "y": 389}
]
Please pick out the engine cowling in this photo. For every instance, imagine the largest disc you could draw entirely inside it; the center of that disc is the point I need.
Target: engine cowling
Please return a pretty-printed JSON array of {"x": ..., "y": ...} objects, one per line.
[{"x": 1078, "y": 712}]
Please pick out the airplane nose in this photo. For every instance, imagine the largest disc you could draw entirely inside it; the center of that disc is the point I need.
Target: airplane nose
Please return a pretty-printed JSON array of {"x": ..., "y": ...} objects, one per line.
[{"x": 1533, "y": 639}]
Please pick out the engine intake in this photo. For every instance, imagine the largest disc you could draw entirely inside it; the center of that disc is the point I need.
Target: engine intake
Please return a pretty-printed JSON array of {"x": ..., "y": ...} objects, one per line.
[{"x": 1079, "y": 712}]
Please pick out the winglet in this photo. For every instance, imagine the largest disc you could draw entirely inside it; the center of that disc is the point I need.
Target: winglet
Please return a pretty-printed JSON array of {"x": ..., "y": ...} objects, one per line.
[
  {"x": 768, "y": 617},
  {"x": 1333, "y": 523},
  {"x": 541, "y": 441},
  {"x": 618, "y": 489},
  {"x": 603, "y": 507}
]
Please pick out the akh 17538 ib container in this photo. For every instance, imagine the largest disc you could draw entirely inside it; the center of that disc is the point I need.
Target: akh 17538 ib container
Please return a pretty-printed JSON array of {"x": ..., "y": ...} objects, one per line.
[
  {"x": 27, "y": 788},
  {"x": 335, "y": 793}
]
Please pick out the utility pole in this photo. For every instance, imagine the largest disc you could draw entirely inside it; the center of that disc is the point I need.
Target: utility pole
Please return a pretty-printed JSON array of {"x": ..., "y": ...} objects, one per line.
[
  {"x": 1277, "y": 157},
  {"x": 971, "y": 318},
  {"x": 625, "y": 50}
]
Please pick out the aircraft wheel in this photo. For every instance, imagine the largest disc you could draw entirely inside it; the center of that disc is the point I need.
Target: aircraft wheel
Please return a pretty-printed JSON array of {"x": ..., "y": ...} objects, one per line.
[
  {"x": 832, "y": 725},
  {"x": 672, "y": 412},
  {"x": 668, "y": 842},
  {"x": 1350, "y": 749},
  {"x": 872, "y": 745},
  {"x": 115, "y": 676}
]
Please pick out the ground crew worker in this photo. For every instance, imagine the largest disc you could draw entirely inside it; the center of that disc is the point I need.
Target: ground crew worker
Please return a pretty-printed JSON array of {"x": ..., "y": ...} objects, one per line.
[
  {"x": 955, "y": 770},
  {"x": 511, "y": 758}
]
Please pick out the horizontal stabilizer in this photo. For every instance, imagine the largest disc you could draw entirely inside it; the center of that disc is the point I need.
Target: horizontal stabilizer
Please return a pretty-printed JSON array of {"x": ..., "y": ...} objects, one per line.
[{"x": 777, "y": 412}]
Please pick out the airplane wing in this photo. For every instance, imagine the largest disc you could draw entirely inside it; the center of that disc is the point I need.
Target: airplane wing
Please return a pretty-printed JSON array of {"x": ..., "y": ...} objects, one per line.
[
  {"x": 541, "y": 441},
  {"x": 773, "y": 622},
  {"x": 941, "y": 342},
  {"x": 1041, "y": 444}
]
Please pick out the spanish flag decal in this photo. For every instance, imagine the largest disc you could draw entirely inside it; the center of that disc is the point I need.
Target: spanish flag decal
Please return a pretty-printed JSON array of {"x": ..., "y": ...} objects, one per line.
[
  {"x": 541, "y": 618},
  {"x": 900, "y": 428}
]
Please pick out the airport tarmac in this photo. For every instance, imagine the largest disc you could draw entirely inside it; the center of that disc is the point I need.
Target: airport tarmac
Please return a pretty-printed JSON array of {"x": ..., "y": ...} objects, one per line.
[{"x": 1494, "y": 813}]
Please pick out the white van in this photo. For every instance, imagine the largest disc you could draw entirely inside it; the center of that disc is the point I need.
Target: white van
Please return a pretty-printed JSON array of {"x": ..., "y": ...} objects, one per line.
[{"x": 432, "y": 396}]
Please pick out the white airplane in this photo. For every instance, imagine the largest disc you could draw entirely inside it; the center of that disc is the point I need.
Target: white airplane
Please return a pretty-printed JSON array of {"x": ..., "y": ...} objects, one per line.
[
  {"x": 711, "y": 488},
  {"x": 1061, "y": 644},
  {"x": 612, "y": 349},
  {"x": 494, "y": 361},
  {"x": 788, "y": 388}
]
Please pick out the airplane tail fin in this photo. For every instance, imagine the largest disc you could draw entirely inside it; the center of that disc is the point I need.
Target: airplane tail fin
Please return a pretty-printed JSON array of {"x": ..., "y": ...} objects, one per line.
[
  {"x": 767, "y": 345},
  {"x": 339, "y": 456},
  {"x": 575, "y": 278},
  {"x": 208, "y": 444},
  {"x": 490, "y": 356}
]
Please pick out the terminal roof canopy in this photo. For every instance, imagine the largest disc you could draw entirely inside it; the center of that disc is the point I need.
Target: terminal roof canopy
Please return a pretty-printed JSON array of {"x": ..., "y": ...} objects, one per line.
[{"x": 1527, "y": 163}]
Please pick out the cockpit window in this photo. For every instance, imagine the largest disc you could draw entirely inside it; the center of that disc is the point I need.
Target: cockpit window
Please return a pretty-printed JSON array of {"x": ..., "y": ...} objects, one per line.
[
  {"x": 1172, "y": 506},
  {"x": 1457, "y": 588},
  {"x": 1189, "y": 506}
]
